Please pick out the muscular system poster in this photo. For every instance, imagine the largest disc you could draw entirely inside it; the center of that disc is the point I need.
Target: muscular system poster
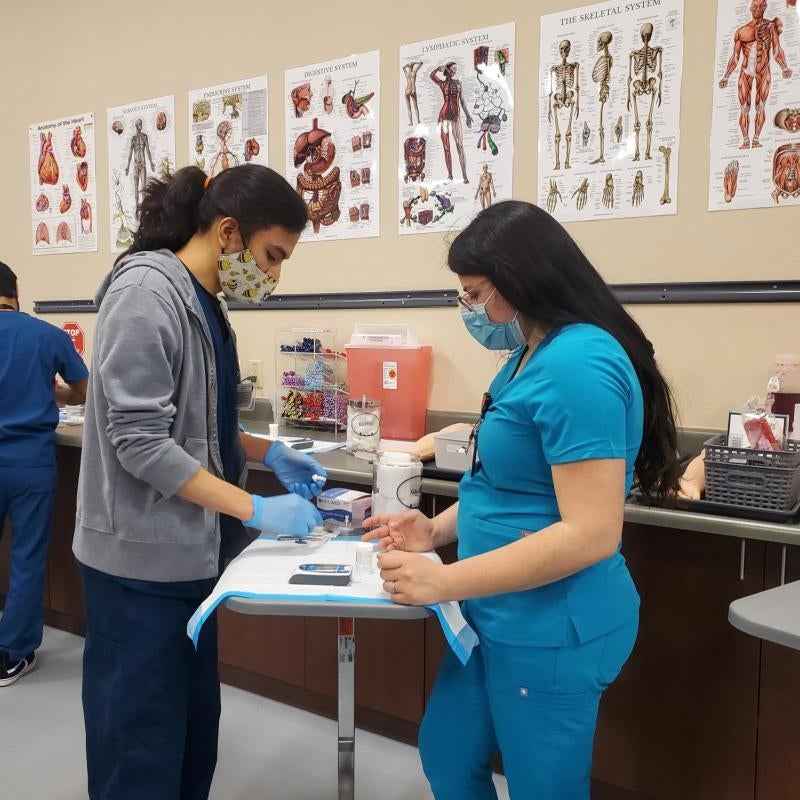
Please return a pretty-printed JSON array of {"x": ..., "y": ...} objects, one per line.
[
  {"x": 456, "y": 128},
  {"x": 332, "y": 145},
  {"x": 141, "y": 146},
  {"x": 609, "y": 110},
  {"x": 755, "y": 127},
  {"x": 228, "y": 125},
  {"x": 63, "y": 185}
]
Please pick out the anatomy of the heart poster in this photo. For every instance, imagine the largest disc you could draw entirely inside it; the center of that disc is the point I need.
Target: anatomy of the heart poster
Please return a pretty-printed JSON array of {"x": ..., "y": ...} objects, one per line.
[
  {"x": 609, "y": 110},
  {"x": 755, "y": 128},
  {"x": 63, "y": 186},
  {"x": 333, "y": 145},
  {"x": 141, "y": 146},
  {"x": 456, "y": 145},
  {"x": 228, "y": 125}
]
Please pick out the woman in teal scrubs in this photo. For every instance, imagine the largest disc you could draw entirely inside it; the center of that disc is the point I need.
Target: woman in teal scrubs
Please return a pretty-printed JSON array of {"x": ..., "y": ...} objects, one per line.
[{"x": 577, "y": 409}]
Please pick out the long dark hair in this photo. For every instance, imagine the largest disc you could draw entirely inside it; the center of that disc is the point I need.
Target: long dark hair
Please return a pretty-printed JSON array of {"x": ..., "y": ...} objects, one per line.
[
  {"x": 538, "y": 267},
  {"x": 176, "y": 208}
]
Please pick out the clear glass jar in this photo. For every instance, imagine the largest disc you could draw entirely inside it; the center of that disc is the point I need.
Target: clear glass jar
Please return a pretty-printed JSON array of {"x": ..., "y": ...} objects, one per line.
[{"x": 363, "y": 426}]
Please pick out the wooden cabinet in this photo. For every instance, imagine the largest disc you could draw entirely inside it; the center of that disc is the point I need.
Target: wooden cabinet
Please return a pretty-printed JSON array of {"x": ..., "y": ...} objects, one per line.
[
  {"x": 779, "y": 700},
  {"x": 680, "y": 723}
]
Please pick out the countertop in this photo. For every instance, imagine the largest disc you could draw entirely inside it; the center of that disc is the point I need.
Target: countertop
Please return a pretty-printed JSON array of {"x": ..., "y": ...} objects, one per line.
[{"x": 345, "y": 468}]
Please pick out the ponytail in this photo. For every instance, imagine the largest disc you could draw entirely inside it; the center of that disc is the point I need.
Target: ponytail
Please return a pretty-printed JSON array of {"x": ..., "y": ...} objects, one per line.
[{"x": 185, "y": 203}]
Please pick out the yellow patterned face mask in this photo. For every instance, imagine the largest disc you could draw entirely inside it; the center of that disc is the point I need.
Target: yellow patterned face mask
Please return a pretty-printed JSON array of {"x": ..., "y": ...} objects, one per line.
[{"x": 242, "y": 279}]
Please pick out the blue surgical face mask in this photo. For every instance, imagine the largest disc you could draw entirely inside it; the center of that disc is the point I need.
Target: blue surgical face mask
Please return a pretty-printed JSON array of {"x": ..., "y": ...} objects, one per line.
[{"x": 493, "y": 335}]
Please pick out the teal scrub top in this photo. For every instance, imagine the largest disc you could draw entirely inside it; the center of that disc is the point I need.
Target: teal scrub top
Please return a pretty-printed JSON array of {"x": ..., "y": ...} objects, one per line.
[{"x": 576, "y": 399}]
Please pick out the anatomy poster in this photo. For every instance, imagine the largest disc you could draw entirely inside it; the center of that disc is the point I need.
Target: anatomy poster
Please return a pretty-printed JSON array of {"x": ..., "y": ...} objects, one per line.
[
  {"x": 63, "y": 186},
  {"x": 141, "y": 146},
  {"x": 755, "y": 128},
  {"x": 456, "y": 128},
  {"x": 332, "y": 145},
  {"x": 228, "y": 125},
  {"x": 609, "y": 110}
]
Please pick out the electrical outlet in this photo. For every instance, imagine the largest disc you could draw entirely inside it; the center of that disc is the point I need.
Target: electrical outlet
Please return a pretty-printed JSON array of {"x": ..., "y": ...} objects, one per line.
[{"x": 257, "y": 368}]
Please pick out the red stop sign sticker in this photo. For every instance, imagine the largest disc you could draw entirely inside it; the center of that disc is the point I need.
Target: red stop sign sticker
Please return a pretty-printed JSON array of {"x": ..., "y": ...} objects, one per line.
[{"x": 76, "y": 334}]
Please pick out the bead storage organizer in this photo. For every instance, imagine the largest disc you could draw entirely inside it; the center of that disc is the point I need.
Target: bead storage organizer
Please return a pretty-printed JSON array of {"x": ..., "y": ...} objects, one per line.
[{"x": 311, "y": 379}]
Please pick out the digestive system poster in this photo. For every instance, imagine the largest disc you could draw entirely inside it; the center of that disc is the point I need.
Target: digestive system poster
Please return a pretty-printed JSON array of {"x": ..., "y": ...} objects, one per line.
[
  {"x": 141, "y": 146},
  {"x": 228, "y": 125},
  {"x": 456, "y": 128},
  {"x": 63, "y": 185},
  {"x": 609, "y": 110},
  {"x": 333, "y": 143},
  {"x": 755, "y": 126}
]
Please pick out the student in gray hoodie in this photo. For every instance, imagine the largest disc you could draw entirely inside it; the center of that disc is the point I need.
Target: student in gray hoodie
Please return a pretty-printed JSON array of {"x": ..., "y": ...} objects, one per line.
[{"x": 162, "y": 468}]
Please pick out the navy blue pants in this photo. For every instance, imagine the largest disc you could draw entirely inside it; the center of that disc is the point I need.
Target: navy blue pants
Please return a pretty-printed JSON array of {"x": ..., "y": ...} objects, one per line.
[
  {"x": 151, "y": 702},
  {"x": 27, "y": 497}
]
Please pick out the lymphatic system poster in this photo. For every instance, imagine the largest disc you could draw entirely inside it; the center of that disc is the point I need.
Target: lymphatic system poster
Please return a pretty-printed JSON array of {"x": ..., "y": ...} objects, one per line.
[
  {"x": 228, "y": 125},
  {"x": 332, "y": 145},
  {"x": 755, "y": 128},
  {"x": 63, "y": 186},
  {"x": 141, "y": 146},
  {"x": 609, "y": 110},
  {"x": 456, "y": 128}
]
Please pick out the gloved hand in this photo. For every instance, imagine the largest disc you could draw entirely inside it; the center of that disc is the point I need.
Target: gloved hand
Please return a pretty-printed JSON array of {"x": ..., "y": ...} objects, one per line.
[
  {"x": 295, "y": 470},
  {"x": 285, "y": 513}
]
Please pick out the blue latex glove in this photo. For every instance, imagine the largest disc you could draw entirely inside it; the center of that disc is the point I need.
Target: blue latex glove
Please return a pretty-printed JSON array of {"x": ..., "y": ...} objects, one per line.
[
  {"x": 285, "y": 513},
  {"x": 295, "y": 470}
]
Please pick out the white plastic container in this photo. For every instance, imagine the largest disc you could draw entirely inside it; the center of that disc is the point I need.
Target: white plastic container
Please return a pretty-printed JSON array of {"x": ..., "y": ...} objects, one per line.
[
  {"x": 454, "y": 450},
  {"x": 397, "y": 483}
]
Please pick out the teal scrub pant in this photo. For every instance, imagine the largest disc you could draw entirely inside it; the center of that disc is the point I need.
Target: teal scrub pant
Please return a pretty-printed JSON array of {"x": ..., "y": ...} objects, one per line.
[{"x": 537, "y": 706}]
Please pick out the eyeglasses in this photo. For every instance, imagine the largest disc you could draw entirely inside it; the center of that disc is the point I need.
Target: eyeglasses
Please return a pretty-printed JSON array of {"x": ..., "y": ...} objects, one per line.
[
  {"x": 468, "y": 302},
  {"x": 486, "y": 404}
]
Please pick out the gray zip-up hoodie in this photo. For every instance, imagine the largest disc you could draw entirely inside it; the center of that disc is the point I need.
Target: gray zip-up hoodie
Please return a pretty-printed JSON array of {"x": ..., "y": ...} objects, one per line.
[{"x": 151, "y": 423}]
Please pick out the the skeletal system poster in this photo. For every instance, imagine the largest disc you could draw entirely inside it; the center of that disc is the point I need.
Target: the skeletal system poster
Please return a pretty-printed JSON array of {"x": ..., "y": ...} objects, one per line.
[
  {"x": 332, "y": 145},
  {"x": 456, "y": 128},
  {"x": 228, "y": 125},
  {"x": 755, "y": 133},
  {"x": 141, "y": 146},
  {"x": 63, "y": 185},
  {"x": 609, "y": 110}
]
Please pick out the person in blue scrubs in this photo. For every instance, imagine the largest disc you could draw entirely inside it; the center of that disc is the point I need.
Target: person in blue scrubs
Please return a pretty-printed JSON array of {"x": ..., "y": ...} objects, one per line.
[
  {"x": 32, "y": 353},
  {"x": 160, "y": 497},
  {"x": 577, "y": 409}
]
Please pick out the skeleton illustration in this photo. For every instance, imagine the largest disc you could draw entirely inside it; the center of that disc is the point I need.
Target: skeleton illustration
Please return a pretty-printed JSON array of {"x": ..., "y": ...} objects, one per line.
[
  {"x": 450, "y": 115},
  {"x": 638, "y": 189},
  {"x": 140, "y": 147},
  {"x": 225, "y": 157},
  {"x": 356, "y": 107},
  {"x": 753, "y": 45},
  {"x": 414, "y": 155},
  {"x": 486, "y": 188},
  {"x": 601, "y": 75},
  {"x": 582, "y": 193},
  {"x": 410, "y": 71},
  {"x": 565, "y": 93},
  {"x": 788, "y": 119},
  {"x": 316, "y": 151},
  {"x": 786, "y": 172},
  {"x": 608, "y": 191},
  {"x": 553, "y": 197},
  {"x": 618, "y": 129},
  {"x": 642, "y": 66},
  {"x": 667, "y": 153},
  {"x": 124, "y": 235},
  {"x": 587, "y": 133},
  {"x": 730, "y": 181}
]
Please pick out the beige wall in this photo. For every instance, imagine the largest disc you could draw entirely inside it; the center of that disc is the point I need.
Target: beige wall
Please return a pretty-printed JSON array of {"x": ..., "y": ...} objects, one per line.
[{"x": 115, "y": 53}]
